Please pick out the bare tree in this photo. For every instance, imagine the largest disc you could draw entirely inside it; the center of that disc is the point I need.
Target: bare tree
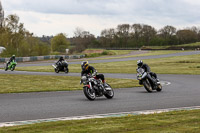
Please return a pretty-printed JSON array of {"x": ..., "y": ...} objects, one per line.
[
  {"x": 123, "y": 34},
  {"x": 1, "y": 14},
  {"x": 167, "y": 31},
  {"x": 83, "y": 39}
]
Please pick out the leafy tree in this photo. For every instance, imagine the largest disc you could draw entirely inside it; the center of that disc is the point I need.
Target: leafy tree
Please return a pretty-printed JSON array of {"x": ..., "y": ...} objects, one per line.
[
  {"x": 59, "y": 43},
  {"x": 186, "y": 36},
  {"x": 17, "y": 40}
]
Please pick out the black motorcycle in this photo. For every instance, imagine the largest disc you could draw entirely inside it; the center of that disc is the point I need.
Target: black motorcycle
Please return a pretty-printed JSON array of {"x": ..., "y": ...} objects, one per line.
[
  {"x": 145, "y": 80},
  {"x": 61, "y": 66},
  {"x": 94, "y": 88}
]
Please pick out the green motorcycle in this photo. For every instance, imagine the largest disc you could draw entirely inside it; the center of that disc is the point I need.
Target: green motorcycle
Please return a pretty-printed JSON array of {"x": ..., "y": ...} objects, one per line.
[{"x": 11, "y": 66}]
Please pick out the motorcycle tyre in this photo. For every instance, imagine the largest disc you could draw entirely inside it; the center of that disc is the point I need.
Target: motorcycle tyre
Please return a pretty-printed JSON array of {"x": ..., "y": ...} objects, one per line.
[
  {"x": 66, "y": 70},
  {"x": 12, "y": 68},
  {"x": 107, "y": 93},
  {"x": 88, "y": 94},
  {"x": 147, "y": 85},
  {"x": 56, "y": 70},
  {"x": 159, "y": 88}
]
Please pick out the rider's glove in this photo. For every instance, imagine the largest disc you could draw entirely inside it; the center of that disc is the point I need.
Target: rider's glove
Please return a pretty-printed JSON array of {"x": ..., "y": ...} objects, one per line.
[{"x": 94, "y": 74}]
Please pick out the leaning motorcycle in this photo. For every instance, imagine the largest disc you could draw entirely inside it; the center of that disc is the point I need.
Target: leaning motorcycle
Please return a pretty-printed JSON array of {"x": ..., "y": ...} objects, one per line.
[
  {"x": 11, "y": 66},
  {"x": 61, "y": 67},
  {"x": 94, "y": 88},
  {"x": 144, "y": 79}
]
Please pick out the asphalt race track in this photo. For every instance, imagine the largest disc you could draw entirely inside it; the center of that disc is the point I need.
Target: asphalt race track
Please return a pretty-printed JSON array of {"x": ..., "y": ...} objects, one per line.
[
  {"x": 110, "y": 60},
  {"x": 184, "y": 91}
]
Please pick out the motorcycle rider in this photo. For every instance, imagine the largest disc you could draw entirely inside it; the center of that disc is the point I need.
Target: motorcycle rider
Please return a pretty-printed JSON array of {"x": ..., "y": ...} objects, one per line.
[
  {"x": 87, "y": 69},
  {"x": 12, "y": 58},
  {"x": 60, "y": 61},
  {"x": 147, "y": 69}
]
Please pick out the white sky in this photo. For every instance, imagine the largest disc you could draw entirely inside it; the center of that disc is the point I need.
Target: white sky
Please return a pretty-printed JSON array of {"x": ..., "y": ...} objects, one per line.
[{"x": 50, "y": 17}]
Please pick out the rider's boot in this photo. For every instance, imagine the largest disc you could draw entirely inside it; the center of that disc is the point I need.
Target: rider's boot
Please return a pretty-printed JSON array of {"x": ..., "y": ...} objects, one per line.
[{"x": 158, "y": 81}]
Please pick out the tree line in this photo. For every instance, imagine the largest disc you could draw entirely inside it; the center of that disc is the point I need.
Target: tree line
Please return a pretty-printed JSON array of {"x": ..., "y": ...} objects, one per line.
[
  {"x": 19, "y": 41},
  {"x": 138, "y": 35}
]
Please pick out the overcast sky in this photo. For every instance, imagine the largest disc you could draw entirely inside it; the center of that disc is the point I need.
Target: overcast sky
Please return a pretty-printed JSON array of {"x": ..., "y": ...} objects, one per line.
[{"x": 50, "y": 17}]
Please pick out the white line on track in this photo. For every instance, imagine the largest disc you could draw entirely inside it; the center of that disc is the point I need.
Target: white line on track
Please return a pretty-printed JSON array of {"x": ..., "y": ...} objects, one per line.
[{"x": 17, "y": 123}]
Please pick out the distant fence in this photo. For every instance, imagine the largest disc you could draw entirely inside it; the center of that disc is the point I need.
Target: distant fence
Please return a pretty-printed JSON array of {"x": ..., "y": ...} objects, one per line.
[{"x": 39, "y": 58}]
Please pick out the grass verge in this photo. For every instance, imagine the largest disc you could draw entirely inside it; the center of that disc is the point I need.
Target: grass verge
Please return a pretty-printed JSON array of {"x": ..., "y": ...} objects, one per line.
[
  {"x": 149, "y": 53},
  {"x": 37, "y": 83},
  {"x": 102, "y": 52},
  {"x": 171, "y": 122},
  {"x": 172, "y": 65},
  {"x": 191, "y": 46}
]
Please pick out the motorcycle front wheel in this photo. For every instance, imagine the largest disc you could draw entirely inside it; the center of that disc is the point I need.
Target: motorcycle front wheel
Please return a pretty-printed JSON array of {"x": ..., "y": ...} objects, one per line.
[
  {"x": 13, "y": 68},
  {"x": 56, "y": 70},
  {"x": 147, "y": 85},
  {"x": 89, "y": 93},
  {"x": 109, "y": 93},
  {"x": 6, "y": 68}
]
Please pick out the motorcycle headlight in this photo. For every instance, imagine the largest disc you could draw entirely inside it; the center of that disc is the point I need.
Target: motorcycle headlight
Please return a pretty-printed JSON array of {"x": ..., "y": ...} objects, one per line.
[{"x": 83, "y": 78}]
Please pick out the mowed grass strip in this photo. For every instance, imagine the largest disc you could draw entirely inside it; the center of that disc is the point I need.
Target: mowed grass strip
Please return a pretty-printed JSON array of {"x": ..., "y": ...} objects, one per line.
[
  {"x": 171, "y": 122},
  {"x": 11, "y": 83},
  {"x": 149, "y": 53},
  {"x": 172, "y": 65}
]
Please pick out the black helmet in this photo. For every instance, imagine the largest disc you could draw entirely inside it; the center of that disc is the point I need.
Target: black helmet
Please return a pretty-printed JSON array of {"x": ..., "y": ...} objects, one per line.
[
  {"x": 84, "y": 65},
  {"x": 61, "y": 58},
  {"x": 139, "y": 63},
  {"x": 13, "y": 56}
]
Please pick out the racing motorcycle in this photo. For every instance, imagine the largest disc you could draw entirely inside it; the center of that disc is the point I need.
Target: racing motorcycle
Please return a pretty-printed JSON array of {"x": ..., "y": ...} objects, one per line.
[
  {"x": 61, "y": 66},
  {"x": 94, "y": 88},
  {"x": 146, "y": 81},
  {"x": 11, "y": 66}
]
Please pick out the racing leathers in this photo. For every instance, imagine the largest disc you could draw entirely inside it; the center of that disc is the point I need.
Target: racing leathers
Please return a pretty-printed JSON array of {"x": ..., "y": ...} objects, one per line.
[
  {"x": 60, "y": 62},
  {"x": 10, "y": 60},
  {"x": 152, "y": 74},
  {"x": 91, "y": 70}
]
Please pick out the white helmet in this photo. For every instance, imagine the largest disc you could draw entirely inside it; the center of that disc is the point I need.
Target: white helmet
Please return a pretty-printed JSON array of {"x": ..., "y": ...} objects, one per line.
[{"x": 140, "y": 63}]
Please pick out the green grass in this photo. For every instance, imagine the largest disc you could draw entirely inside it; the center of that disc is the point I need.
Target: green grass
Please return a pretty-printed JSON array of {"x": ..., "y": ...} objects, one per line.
[
  {"x": 107, "y": 54},
  {"x": 104, "y": 52},
  {"x": 149, "y": 53},
  {"x": 197, "y": 44},
  {"x": 191, "y": 44},
  {"x": 171, "y": 122},
  {"x": 172, "y": 65},
  {"x": 120, "y": 52},
  {"x": 35, "y": 83}
]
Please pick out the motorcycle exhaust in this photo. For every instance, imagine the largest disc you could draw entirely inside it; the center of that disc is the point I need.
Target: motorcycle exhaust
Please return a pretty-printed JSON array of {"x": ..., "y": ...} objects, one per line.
[{"x": 54, "y": 66}]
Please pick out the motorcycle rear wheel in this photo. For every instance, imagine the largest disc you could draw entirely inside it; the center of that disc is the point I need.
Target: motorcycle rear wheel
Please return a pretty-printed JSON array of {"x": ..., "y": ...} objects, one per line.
[
  {"x": 89, "y": 93},
  {"x": 66, "y": 70},
  {"x": 13, "y": 68},
  {"x": 109, "y": 93},
  {"x": 159, "y": 88}
]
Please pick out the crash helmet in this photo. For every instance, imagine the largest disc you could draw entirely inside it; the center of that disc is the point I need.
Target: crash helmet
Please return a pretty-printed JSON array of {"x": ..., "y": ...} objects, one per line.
[
  {"x": 139, "y": 63},
  {"x": 84, "y": 65},
  {"x": 61, "y": 58},
  {"x": 13, "y": 56}
]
